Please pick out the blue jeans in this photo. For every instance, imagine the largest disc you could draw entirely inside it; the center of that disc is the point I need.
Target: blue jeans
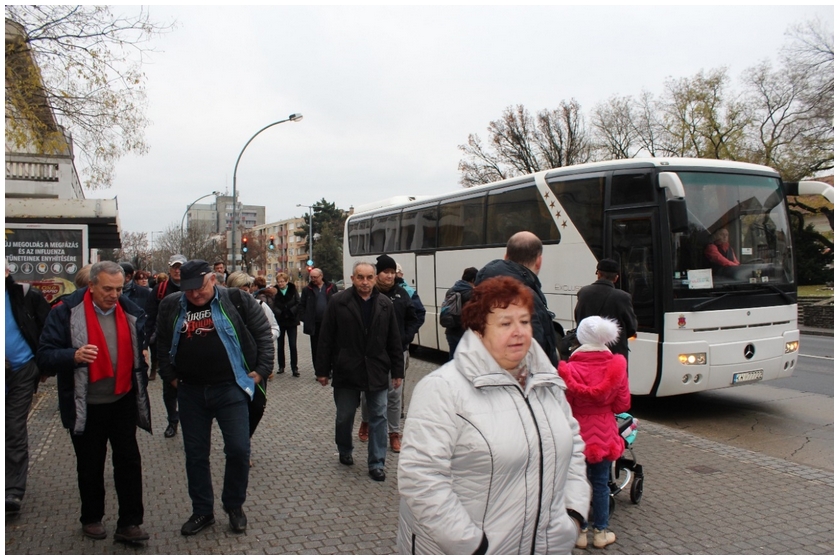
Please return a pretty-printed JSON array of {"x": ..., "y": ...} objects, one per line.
[
  {"x": 598, "y": 476},
  {"x": 228, "y": 404},
  {"x": 346, "y": 401}
]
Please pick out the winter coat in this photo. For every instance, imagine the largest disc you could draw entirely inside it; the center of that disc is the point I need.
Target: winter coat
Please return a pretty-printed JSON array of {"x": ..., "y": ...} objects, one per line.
[
  {"x": 286, "y": 307},
  {"x": 543, "y": 325},
  {"x": 242, "y": 327},
  {"x": 309, "y": 304},
  {"x": 30, "y": 310},
  {"x": 359, "y": 359},
  {"x": 415, "y": 299},
  {"x": 136, "y": 293},
  {"x": 598, "y": 388},
  {"x": 483, "y": 458},
  {"x": 603, "y": 299},
  {"x": 64, "y": 332},
  {"x": 406, "y": 313},
  {"x": 152, "y": 305}
]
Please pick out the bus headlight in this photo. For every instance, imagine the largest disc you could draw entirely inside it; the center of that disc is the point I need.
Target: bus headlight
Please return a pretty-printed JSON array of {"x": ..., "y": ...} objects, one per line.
[
  {"x": 695, "y": 359},
  {"x": 791, "y": 347}
]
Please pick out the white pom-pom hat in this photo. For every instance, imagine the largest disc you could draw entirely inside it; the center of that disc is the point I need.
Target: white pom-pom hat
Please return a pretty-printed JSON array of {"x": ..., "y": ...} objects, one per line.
[{"x": 598, "y": 331}]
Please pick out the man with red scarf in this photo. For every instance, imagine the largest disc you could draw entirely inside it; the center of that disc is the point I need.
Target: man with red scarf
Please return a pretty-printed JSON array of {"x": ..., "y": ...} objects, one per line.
[{"x": 92, "y": 340}]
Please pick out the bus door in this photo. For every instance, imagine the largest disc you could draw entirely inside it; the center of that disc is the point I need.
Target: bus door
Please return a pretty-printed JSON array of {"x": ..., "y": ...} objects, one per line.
[
  {"x": 426, "y": 288},
  {"x": 632, "y": 241}
]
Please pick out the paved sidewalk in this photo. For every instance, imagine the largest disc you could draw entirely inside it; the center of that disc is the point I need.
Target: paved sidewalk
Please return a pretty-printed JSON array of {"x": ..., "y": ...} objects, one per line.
[{"x": 700, "y": 497}]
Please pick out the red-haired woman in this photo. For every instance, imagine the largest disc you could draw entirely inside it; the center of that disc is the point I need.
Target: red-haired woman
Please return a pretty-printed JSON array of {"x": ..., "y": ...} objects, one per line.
[{"x": 492, "y": 459}]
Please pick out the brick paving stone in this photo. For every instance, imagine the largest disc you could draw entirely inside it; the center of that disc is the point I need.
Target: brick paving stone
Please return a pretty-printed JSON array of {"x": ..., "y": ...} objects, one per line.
[{"x": 700, "y": 496}]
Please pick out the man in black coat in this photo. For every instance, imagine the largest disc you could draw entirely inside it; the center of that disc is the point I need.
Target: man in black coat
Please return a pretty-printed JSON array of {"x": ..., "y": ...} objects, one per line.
[
  {"x": 523, "y": 261},
  {"x": 314, "y": 297},
  {"x": 603, "y": 299},
  {"x": 26, "y": 313},
  {"x": 361, "y": 344},
  {"x": 136, "y": 293}
]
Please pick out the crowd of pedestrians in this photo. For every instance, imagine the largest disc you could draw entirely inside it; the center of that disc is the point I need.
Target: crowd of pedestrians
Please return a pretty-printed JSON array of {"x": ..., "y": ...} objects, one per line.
[{"x": 504, "y": 447}]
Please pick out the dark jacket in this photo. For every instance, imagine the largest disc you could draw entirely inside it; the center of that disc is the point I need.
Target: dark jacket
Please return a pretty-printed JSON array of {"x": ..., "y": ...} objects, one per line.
[
  {"x": 465, "y": 289},
  {"x": 603, "y": 299},
  {"x": 255, "y": 349},
  {"x": 543, "y": 325},
  {"x": 152, "y": 304},
  {"x": 64, "y": 332},
  {"x": 138, "y": 294},
  {"x": 308, "y": 304},
  {"x": 406, "y": 314},
  {"x": 360, "y": 359},
  {"x": 415, "y": 299},
  {"x": 30, "y": 310},
  {"x": 286, "y": 306}
]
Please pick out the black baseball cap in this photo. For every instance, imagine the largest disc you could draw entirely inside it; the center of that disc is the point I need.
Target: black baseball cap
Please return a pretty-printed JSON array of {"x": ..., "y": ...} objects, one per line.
[{"x": 192, "y": 274}]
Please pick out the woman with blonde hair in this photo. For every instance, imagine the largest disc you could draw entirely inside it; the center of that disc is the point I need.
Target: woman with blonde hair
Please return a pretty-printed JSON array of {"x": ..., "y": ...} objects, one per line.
[{"x": 285, "y": 306}]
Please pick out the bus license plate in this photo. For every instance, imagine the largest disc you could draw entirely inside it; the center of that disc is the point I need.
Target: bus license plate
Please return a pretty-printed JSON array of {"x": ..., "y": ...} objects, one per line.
[{"x": 747, "y": 376}]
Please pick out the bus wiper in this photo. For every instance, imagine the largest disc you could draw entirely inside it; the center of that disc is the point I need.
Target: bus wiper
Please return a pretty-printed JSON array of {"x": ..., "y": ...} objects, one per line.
[
  {"x": 783, "y": 294},
  {"x": 708, "y": 302}
]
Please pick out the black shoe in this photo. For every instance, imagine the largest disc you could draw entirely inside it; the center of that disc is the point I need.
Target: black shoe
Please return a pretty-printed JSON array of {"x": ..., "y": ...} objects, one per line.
[
  {"x": 345, "y": 459},
  {"x": 12, "y": 504},
  {"x": 130, "y": 534},
  {"x": 281, "y": 370},
  {"x": 377, "y": 474},
  {"x": 238, "y": 521},
  {"x": 171, "y": 430},
  {"x": 197, "y": 523}
]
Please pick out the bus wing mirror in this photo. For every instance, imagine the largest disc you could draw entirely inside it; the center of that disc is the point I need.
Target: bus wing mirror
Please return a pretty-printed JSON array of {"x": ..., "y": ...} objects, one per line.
[
  {"x": 802, "y": 188},
  {"x": 677, "y": 213},
  {"x": 672, "y": 184}
]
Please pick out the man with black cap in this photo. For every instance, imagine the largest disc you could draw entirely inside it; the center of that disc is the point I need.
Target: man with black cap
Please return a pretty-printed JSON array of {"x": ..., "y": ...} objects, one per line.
[
  {"x": 161, "y": 290},
  {"x": 603, "y": 299},
  {"x": 215, "y": 346}
]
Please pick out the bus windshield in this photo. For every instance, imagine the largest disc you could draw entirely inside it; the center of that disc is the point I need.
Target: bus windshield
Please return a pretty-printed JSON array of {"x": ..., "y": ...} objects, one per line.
[{"x": 738, "y": 235}]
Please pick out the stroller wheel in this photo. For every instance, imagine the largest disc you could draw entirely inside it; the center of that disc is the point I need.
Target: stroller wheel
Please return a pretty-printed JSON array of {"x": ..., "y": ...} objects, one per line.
[{"x": 637, "y": 489}]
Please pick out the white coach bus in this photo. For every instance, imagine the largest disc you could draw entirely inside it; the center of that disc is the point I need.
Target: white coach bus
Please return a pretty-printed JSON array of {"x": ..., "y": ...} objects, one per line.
[{"x": 701, "y": 325}]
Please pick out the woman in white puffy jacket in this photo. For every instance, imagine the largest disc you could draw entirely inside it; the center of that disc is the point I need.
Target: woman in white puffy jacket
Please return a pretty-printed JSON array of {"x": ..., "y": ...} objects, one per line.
[{"x": 492, "y": 459}]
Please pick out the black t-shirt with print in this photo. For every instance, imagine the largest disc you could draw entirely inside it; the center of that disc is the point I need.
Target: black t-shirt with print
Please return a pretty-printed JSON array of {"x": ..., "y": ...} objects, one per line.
[{"x": 201, "y": 357}]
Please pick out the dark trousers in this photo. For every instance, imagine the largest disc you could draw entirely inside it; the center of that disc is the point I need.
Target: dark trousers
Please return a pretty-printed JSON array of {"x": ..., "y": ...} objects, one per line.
[
  {"x": 20, "y": 386},
  {"x": 292, "y": 347},
  {"x": 115, "y": 423},
  {"x": 313, "y": 338},
  {"x": 170, "y": 401},
  {"x": 228, "y": 404}
]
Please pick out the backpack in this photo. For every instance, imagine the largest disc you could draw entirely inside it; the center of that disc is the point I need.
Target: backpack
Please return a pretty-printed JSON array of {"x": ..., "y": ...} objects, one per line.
[
  {"x": 161, "y": 289},
  {"x": 450, "y": 310}
]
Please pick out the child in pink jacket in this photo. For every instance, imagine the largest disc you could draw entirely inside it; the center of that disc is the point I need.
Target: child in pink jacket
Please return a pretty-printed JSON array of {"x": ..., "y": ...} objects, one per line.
[{"x": 598, "y": 389}]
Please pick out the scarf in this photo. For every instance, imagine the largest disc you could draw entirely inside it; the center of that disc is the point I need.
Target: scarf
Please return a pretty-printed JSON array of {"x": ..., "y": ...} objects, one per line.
[{"x": 102, "y": 367}]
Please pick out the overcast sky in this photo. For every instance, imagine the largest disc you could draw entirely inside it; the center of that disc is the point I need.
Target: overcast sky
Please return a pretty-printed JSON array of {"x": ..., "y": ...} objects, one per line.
[{"x": 388, "y": 93}]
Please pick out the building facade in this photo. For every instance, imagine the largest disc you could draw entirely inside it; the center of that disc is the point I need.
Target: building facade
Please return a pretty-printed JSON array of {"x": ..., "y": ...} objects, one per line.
[{"x": 289, "y": 254}]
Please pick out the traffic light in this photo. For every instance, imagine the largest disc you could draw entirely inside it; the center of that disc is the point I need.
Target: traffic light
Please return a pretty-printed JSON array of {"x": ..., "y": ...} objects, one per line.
[
  {"x": 309, "y": 269},
  {"x": 244, "y": 244},
  {"x": 271, "y": 243}
]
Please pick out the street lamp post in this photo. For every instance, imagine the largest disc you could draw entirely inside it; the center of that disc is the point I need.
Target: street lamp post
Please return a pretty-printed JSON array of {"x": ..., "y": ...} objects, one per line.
[
  {"x": 311, "y": 221},
  {"x": 214, "y": 193},
  {"x": 294, "y": 117}
]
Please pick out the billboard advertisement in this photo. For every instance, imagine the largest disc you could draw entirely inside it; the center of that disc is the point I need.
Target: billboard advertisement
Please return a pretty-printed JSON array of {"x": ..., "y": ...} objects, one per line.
[{"x": 48, "y": 256}]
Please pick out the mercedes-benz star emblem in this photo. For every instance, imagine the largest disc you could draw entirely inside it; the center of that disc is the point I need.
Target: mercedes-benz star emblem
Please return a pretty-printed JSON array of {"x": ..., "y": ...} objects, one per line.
[{"x": 749, "y": 352}]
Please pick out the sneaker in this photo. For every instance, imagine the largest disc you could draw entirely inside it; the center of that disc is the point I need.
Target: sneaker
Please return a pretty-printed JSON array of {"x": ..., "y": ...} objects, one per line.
[
  {"x": 12, "y": 504},
  {"x": 396, "y": 442},
  {"x": 130, "y": 534},
  {"x": 95, "y": 531},
  {"x": 238, "y": 521},
  {"x": 582, "y": 539},
  {"x": 345, "y": 459},
  {"x": 603, "y": 538},
  {"x": 171, "y": 430},
  {"x": 197, "y": 523},
  {"x": 364, "y": 431}
]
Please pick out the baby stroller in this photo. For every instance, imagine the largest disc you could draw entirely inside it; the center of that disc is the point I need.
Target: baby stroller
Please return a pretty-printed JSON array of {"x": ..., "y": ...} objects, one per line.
[{"x": 627, "y": 471}]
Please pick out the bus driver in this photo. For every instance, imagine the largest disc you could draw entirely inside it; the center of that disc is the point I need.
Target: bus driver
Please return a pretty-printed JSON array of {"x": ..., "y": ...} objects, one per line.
[{"x": 720, "y": 253}]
